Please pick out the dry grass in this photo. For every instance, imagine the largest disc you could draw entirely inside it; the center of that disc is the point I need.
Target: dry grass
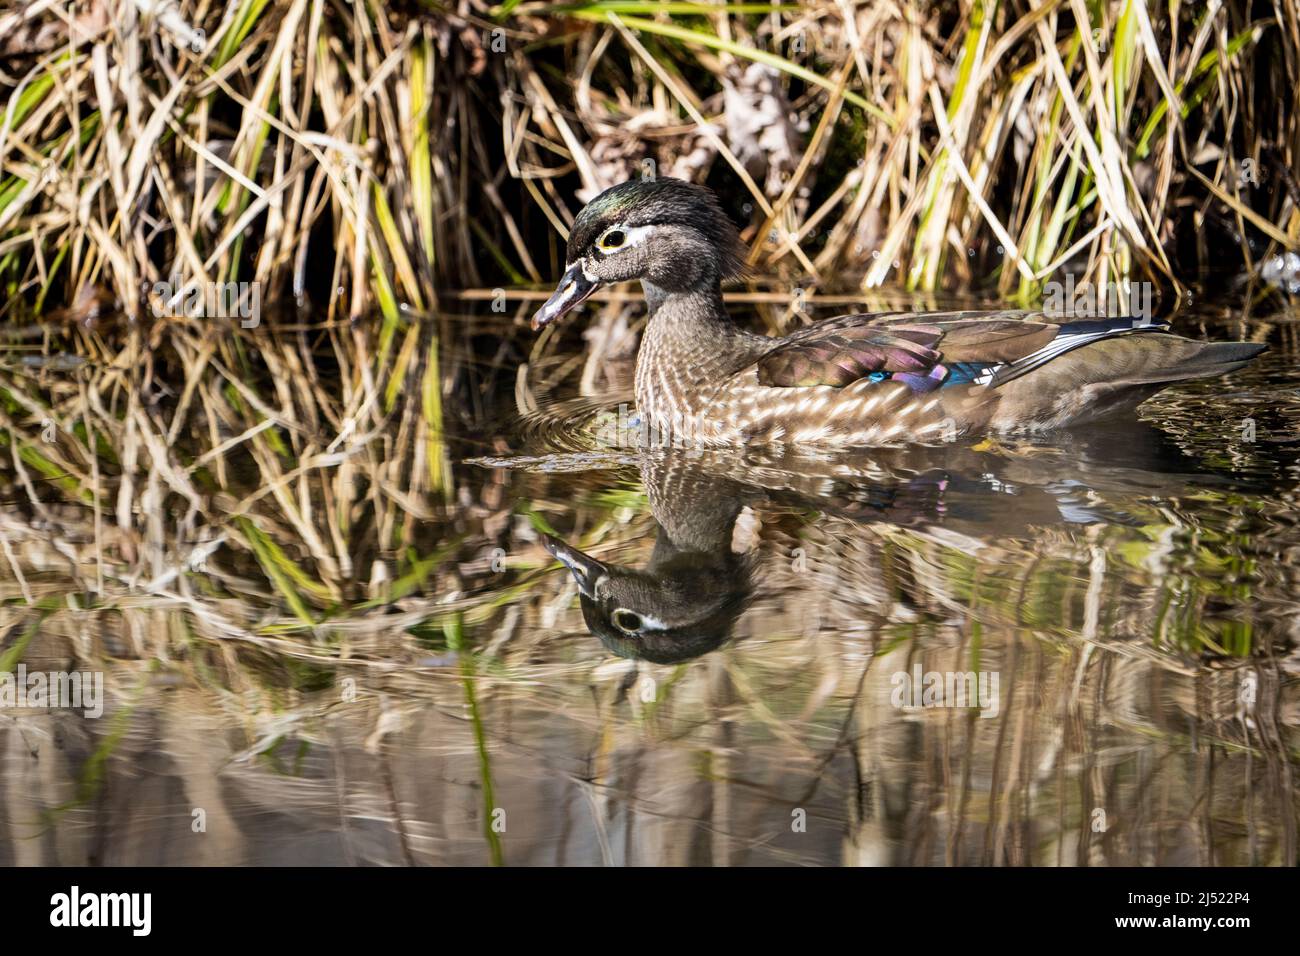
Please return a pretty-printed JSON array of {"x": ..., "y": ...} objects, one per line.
[{"x": 314, "y": 146}]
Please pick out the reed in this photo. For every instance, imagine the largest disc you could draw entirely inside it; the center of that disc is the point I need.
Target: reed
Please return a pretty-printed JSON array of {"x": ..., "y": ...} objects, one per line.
[{"x": 313, "y": 147}]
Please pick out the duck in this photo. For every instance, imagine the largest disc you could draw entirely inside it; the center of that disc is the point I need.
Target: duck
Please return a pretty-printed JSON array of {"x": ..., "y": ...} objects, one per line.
[{"x": 854, "y": 380}]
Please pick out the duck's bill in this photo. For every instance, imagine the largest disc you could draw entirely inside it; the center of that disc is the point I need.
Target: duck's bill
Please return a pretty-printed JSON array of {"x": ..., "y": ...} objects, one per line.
[
  {"x": 574, "y": 287},
  {"x": 586, "y": 569}
]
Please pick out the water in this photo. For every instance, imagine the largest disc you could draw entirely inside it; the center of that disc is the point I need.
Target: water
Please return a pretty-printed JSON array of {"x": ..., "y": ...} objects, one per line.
[{"x": 1124, "y": 600}]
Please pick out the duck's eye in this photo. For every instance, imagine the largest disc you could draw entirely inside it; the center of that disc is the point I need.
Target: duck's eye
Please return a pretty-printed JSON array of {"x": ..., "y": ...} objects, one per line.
[
  {"x": 629, "y": 622},
  {"x": 612, "y": 240}
]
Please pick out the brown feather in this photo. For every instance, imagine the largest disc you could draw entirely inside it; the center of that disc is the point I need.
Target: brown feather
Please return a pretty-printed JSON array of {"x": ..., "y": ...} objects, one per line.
[
  {"x": 840, "y": 356},
  {"x": 997, "y": 340},
  {"x": 842, "y": 350}
]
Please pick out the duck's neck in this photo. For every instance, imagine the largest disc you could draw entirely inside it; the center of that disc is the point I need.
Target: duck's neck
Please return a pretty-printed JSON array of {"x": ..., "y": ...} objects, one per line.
[{"x": 690, "y": 344}]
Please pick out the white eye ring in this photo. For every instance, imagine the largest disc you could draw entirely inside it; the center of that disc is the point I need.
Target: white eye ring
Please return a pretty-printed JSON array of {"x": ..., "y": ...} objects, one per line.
[
  {"x": 632, "y": 236},
  {"x": 614, "y": 232},
  {"x": 621, "y": 620}
]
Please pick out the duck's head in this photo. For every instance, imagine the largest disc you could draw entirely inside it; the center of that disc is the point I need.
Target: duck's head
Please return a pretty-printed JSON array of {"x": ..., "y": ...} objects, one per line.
[
  {"x": 667, "y": 232},
  {"x": 682, "y": 608}
]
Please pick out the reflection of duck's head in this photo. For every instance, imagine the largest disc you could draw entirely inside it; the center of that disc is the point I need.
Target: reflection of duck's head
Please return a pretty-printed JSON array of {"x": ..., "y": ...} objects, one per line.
[
  {"x": 676, "y": 609},
  {"x": 686, "y": 599}
]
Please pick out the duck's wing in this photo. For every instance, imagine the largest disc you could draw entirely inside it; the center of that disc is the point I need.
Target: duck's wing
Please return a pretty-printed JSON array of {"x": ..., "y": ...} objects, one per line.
[{"x": 920, "y": 349}]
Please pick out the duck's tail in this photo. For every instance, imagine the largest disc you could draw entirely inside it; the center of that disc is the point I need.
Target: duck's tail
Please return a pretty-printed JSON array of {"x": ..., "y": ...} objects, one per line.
[
  {"x": 1113, "y": 374},
  {"x": 1170, "y": 358}
]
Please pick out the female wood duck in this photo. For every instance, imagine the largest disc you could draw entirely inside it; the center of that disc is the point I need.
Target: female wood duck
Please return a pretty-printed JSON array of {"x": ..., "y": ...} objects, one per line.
[{"x": 853, "y": 380}]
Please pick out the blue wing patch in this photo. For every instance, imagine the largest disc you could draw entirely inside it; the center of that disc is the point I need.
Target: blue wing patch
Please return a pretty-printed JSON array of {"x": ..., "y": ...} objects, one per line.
[{"x": 966, "y": 373}]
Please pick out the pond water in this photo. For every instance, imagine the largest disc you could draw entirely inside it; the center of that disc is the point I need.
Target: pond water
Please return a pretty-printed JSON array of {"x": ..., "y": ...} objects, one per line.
[{"x": 1076, "y": 650}]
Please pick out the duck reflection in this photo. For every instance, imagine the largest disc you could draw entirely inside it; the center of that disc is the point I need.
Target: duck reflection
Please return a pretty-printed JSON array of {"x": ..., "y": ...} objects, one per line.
[
  {"x": 702, "y": 574},
  {"x": 686, "y": 599}
]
